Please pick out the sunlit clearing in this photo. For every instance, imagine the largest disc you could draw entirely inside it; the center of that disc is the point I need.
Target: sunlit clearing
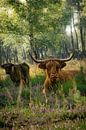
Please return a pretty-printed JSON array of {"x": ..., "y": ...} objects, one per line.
[
  {"x": 68, "y": 27},
  {"x": 23, "y": 1},
  {"x": 45, "y": 10},
  {"x": 10, "y": 12},
  {"x": 68, "y": 30}
]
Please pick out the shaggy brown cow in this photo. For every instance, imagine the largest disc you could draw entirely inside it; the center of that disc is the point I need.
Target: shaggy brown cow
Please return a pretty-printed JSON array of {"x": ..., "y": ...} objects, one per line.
[
  {"x": 17, "y": 72},
  {"x": 52, "y": 68}
]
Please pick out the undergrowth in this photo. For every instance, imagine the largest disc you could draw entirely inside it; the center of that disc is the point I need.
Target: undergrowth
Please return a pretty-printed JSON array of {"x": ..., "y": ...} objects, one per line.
[
  {"x": 32, "y": 94},
  {"x": 66, "y": 104}
]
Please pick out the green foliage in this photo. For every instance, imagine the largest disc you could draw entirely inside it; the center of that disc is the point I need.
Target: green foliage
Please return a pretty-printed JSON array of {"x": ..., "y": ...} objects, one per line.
[
  {"x": 25, "y": 96},
  {"x": 38, "y": 98},
  {"x": 80, "y": 79},
  {"x": 9, "y": 93},
  {"x": 38, "y": 79},
  {"x": 46, "y": 20},
  {"x": 81, "y": 82},
  {"x": 26, "y": 93},
  {"x": 67, "y": 85},
  {"x": 6, "y": 83},
  {"x": 36, "y": 16},
  {"x": 5, "y": 95}
]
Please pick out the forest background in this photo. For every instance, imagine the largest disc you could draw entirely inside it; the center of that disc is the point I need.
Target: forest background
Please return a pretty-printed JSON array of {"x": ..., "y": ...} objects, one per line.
[{"x": 44, "y": 27}]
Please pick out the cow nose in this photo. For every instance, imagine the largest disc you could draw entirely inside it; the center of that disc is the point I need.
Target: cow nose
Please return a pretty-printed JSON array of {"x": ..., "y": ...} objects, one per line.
[{"x": 53, "y": 75}]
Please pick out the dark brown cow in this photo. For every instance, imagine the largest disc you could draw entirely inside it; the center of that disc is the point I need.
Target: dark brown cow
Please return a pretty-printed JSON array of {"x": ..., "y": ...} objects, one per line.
[
  {"x": 54, "y": 74},
  {"x": 17, "y": 72},
  {"x": 25, "y": 72}
]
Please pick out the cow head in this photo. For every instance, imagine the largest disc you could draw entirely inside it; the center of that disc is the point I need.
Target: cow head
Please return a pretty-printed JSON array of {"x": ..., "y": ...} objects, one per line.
[
  {"x": 52, "y": 66},
  {"x": 7, "y": 67}
]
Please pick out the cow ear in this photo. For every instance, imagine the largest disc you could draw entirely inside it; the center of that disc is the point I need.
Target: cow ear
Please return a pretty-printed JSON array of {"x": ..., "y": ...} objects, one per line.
[
  {"x": 63, "y": 64},
  {"x": 42, "y": 65}
]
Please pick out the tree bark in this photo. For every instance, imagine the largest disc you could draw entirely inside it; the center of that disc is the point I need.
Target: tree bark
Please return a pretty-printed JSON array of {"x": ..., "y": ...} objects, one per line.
[
  {"x": 82, "y": 38},
  {"x": 72, "y": 40},
  {"x": 77, "y": 43}
]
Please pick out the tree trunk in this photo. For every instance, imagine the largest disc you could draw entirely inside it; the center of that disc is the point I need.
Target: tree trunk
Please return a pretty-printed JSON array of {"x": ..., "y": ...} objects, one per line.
[
  {"x": 77, "y": 43},
  {"x": 72, "y": 40},
  {"x": 1, "y": 45},
  {"x": 23, "y": 54},
  {"x": 82, "y": 38},
  {"x": 0, "y": 55},
  {"x": 81, "y": 28},
  {"x": 15, "y": 56}
]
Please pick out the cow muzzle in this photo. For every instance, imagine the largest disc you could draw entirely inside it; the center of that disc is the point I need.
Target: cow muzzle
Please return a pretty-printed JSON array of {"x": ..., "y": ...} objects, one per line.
[{"x": 54, "y": 78}]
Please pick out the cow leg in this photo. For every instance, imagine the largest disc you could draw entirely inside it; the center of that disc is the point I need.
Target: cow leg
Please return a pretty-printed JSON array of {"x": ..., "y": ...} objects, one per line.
[
  {"x": 45, "y": 95},
  {"x": 46, "y": 89},
  {"x": 19, "y": 93}
]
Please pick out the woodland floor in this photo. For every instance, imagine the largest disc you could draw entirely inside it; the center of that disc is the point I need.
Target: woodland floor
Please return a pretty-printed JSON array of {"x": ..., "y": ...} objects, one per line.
[{"x": 44, "y": 117}]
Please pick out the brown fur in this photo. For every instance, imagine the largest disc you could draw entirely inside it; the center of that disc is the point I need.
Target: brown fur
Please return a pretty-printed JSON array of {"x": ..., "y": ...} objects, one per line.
[
  {"x": 54, "y": 73},
  {"x": 17, "y": 72}
]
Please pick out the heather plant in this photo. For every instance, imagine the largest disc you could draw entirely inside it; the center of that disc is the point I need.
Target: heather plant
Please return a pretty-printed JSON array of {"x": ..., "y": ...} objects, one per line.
[
  {"x": 5, "y": 92},
  {"x": 61, "y": 96},
  {"x": 7, "y": 82},
  {"x": 25, "y": 96},
  {"x": 35, "y": 87},
  {"x": 9, "y": 93},
  {"x": 38, "y": 97}
]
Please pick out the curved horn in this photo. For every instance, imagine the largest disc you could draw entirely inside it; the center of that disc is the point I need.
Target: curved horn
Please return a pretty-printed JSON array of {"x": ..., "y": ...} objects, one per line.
[
  {"x": 53, "y": 59},
  {"x": 34, "y": 59},
  {"x": 67, "y": 59}
]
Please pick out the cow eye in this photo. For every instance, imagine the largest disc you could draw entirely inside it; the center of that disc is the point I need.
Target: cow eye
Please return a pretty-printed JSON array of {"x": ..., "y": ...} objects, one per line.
[{"x": 57, "y": 67}]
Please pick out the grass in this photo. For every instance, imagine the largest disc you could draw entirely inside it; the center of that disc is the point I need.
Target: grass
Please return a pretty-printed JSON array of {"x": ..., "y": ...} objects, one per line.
[
  {"x": 43, "y": 116},
  {"x": 81, "y": 81},
  {"x": 33, "y": 109},
  {"x": 33, "y": 92}
]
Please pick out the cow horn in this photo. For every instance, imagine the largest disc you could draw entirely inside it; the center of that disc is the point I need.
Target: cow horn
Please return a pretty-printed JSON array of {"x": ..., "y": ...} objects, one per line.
[
  {"x": 67, "y": 59},
  {"x": 34, "y": 59},
  {"x": 53, "y": 59}
]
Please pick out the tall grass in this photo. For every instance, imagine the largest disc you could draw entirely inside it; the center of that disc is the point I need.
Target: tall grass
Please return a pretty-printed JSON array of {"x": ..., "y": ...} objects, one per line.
[
  {"x": 81, "y": 81},
  {"x": 5, "y": 92},
  {"x": 33, "y": 92},
  {"x": 34, "y": 110}
]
